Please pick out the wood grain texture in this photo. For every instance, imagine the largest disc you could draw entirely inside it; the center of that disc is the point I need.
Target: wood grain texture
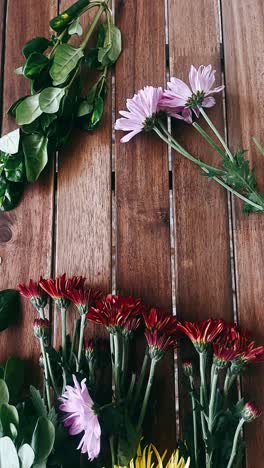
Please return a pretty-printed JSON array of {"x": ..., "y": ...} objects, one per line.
[
  {"x": 2, "y": 39},
  {"x": 244, "y": 65},
  {"x": 26, "y": 232},
  {"x": 83, "y": 235},
  {"x": 142, "y": 192},
  {"x": 203, "y": 281}
]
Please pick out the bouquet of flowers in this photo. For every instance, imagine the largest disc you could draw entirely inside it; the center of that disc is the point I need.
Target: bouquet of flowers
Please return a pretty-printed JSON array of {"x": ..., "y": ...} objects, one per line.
[{"x": 85, "y": 407}]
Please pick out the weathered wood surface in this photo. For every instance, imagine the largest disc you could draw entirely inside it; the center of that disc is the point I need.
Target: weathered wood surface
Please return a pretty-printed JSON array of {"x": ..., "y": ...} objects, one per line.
[
  {"x": 64, "y": 223},
  {"x": 25, "y": 233},
  {"x": 244, "y": 65},
  {"x": 142, "y": 187}
]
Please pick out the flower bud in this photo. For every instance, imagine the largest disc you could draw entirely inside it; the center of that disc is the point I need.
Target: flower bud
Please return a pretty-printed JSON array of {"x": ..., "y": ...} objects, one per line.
[
  {"x": 188, "y": 368},
  {"x": 41, "y": 328},
  {"x": 250, "y": 412},
  {"x": 89, "y": 349}
]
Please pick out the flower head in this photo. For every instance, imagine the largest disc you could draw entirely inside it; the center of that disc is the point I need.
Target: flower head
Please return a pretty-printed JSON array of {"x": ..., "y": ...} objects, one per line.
[
  {"x": 81, "y": 417},
  {"x": 159, "y": 319},
  {"x": 89, "y": 349},
  {"x": 33, "y": 291},
  {"x": 250, "y": 412},
  {"x": 59, "y": 288},
  {"x": 188, "y": 368},
  {"x": 202, "y": 333},
  {"x": 41, "y": 328},
  {"x": 144, "y": 459},
  {"x": 116, "y": 312},
  {"x": 141, "y": 114},
  {"x": 83, "y": 298},
  {"x": 159, "y": 343},
  {"x": 180, "y": 99}
]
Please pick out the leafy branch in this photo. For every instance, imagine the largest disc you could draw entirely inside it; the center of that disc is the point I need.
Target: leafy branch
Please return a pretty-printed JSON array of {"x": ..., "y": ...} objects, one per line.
[{"x": 57, "y": 102}]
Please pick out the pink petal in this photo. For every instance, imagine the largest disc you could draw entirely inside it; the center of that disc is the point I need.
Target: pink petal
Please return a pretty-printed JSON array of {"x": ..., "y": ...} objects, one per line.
[{"x": 208, "y": 102}]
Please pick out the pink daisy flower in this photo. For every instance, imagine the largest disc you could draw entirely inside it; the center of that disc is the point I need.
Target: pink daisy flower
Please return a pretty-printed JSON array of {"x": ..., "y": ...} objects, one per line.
[
  {"x": 81, "y": 418},
  {"x": 179, "y": 100},
  {"x": 141, "y": 114}
]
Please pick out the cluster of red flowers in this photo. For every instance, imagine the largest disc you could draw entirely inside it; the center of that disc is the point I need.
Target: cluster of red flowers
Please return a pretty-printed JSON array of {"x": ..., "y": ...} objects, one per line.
[{"x": 125, "y": 314}]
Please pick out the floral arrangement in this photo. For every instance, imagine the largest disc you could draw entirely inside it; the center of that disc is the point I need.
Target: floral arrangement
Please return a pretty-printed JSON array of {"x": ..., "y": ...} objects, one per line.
[
  {"x": 100, "y": 413},
  {"x": 58, "y": 101},
  {"x": 149, "y": 109}
]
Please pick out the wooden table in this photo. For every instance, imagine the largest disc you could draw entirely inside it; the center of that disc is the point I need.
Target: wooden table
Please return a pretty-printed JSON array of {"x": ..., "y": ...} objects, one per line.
[{"x": 170, "y": 232}]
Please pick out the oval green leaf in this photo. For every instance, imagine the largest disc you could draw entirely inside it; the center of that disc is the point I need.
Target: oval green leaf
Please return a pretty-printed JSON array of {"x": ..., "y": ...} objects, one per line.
[
  {"x": 4, "y": 393},
  {"x": 9, "y": 417},
  {"x": 65, "y": 60},
  {"x": 9, "y": 143},
  {"x": 36, "y": 155},
  {"x": 8, "y": 454},
  {"x": 75, "y": 28},
  {"x": 26, "y": 456},
  {"x": 28, "y": 110},
  {"x": 43, "y": 439},
  {"x": 38, "y": 44},
  {"x": 34, "y": 65},
  {"x": 50, "y": 98}
]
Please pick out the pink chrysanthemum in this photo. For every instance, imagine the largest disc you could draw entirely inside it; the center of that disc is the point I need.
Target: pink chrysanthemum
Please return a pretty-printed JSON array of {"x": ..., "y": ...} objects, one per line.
[
  {"x": 77, "y": 402},
  {"x": 142, "y": 110},
  {"x": 179, "y": 100}
]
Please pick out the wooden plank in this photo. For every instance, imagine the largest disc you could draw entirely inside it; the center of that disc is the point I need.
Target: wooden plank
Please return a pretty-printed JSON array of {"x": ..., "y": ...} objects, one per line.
[
  {"x": 142, "y": 192},
  {"x": 84, "y": 205},
  {"x": 26, "y": 232},
  {"x": 2, "y": 39},
  {"x": 203, "y": 275},
  {"x": 244, "y": 63}
]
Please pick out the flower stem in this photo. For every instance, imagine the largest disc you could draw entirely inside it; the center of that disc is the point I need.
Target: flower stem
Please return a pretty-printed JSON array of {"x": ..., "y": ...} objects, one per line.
[
  {"x": 141, "y": 377},
  {"x": 55, "y": 388},
  {"x": 212, "y": 397},
  {"x": 117, "y": 365},
  {"x": 82, "y": 327},
  {"x": 222, "y": 141},
  {"x": 194, "y": 425},
  {"x": 235, "y": 443},
  {"x": 46, "y": 374},
  {"x": 41, "y": 313},
  {"x": 205, "y": 167},
  {"x": 63, "y": 335},
  {"x": 124, "y": 360},
  {"x": 74, "y": 336},
  {"x": 112, "y": 448},
  {"x": 92, "y": 27},
  {"x": 147, "y": 393}
]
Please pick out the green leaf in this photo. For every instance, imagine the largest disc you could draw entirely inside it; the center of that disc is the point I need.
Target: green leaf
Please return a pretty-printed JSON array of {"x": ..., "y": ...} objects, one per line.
[
  {"x": 38, "y": 403},
  {"x": 10, "y": 194},
  {"x": 46, "y": 121},
  {"x": 26, "y": 456},
  {"x": 66, "y": 17},
  {"x": 36, "y": 155},
  {"x": 9, "y": 143},
  {"x": 9, "y": 416},
  {"x": 65, "y": 60},
  {"x": 84, "y": 108},
  {"x": 259, "y": 146},
  {"x": 75, "y": 28},
  {"x": 50, "y": 98},
  {"x": 28, "y": 110},
  {"x": 4, "y": 393},
  {"x": 14, "y": 168},
  {"x": 14, "y": 374},
  {"x": 19, "y": 71},
  {"x": 112, "y": 47},
  {"x": 128, "y": 443},
  {"x": 38, "y": 44},
  {"x": 8, "y": 454},
  {"x": 34, "y": 65},
  {"x": 91, "y": 59},
  {"x": 9, "y": 307},
  {"x": 12, "y": 109},
  {"x": 43, "y": 439}
]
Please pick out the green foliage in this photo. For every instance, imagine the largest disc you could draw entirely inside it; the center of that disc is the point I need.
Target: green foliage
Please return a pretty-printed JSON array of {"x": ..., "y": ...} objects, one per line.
[
  {"x": 4, "y": 392},
  {"x": 35, "y": 148},
  {"x": 14, "y": 373},
  {"x": 43, "y": 439},
  {"x": 54, "y": 107},
  {"x": 65, "y": 61},
  {"x": 9, "y": 306},
  {"x": 8, "y": 454}
]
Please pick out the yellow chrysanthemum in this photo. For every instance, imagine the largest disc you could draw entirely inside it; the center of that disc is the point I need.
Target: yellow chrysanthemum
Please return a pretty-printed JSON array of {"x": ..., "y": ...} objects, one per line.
[{"x": 145, "y": 459}]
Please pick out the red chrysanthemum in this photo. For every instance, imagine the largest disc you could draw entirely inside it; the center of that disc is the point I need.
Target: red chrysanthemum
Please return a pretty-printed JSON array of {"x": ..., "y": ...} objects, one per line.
[
  {"x": 33, "y": 291},
  {"x": 59, "y": 288},
  {"x": 202, "y": 333},
  {"x": 83, "y": 298},
  {"x": 116, "y": 312},
  {"x": 41, "y": 328},
  {"x": 250, "y": 412},
  {"x": 159, "y": 343},
  {"x": 160, "y": 320}
]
